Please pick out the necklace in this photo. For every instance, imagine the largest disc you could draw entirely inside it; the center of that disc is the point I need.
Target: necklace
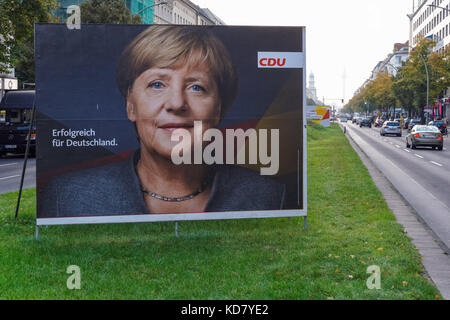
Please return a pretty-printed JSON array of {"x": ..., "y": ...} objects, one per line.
[{"x": 185, "y": 198}]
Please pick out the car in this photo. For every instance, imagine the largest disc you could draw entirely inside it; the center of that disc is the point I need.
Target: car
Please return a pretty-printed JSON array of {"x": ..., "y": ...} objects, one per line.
[
  {"x": 391, "y": 127},
  {"x": 413, "y": 123},
  {"x": 365, "y": 123},
  {"x": 440, "y": 124},
  {"x": 429, "y": 136},
  {"x": 358, "y": 121}
]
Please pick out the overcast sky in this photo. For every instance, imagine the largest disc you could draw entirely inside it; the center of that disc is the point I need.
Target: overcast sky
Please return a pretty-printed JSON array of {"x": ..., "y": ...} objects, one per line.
[{"x": 350, "y": 35}]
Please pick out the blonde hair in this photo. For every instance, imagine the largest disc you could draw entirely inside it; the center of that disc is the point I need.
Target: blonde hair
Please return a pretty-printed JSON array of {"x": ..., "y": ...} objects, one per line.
[{"x": 172, "y": 46}]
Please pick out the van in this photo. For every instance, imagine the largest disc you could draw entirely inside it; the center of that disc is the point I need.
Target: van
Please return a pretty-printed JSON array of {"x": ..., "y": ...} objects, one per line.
[{"x": 16, "y": 108}]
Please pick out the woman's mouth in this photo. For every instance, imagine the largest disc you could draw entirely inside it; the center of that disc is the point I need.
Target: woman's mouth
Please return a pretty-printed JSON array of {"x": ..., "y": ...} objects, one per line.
[{"x": 174, "y": 126}]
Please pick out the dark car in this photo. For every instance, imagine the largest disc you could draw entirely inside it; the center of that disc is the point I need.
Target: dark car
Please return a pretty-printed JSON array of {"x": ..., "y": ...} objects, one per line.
[
  {"x": 440, "y": 124},
  {"x": 15, "y": 120},
  {"x": 365, "y": 123},
  {"x": 426, "y": 136},
  {"x": 412, "y": 123}
]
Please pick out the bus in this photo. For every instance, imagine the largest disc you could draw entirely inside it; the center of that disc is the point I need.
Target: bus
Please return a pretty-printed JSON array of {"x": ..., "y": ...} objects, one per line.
[{"x": 16, "y": 109}]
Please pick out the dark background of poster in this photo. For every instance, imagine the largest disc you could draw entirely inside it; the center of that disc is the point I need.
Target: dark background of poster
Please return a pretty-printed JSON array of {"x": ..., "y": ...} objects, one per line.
[{"x": 76, "y": 88}]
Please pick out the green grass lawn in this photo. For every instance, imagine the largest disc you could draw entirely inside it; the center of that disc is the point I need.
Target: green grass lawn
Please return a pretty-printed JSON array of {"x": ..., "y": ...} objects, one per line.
[{"x": 349, "y": 228}]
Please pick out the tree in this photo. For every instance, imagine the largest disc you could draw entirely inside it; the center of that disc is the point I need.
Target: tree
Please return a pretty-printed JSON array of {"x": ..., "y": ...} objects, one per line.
[
  {"x": 108, "y": 11},
  {"x": 410, "y": 85},
  {"x": 17, "y": 19},
  {"x": 381, "y": 91}
]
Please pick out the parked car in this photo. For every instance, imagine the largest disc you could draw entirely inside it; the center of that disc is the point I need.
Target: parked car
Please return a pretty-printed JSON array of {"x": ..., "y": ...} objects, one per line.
[
  {"x": 413, "y": 123},
  {"x": 365, "y": 123},
  {"x": 391, "y": 127},
  {"x": 429, "y": 136},
  {"x": 358, "y": 121},
  {"x": 441, "y": 125}
]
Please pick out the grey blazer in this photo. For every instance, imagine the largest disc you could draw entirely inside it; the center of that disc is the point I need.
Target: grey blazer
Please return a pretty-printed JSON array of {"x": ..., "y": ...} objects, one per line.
[{"x": 115, "y": 190}]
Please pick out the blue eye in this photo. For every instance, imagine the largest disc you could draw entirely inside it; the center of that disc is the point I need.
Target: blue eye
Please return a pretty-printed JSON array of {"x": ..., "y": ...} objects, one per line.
[
  {"x": 156, "y": 85},
  {"x": 197, "y": 88}
]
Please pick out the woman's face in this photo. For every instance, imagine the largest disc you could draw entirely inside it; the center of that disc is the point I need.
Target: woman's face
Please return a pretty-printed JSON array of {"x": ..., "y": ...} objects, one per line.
[{"x": 163, "y": 100}]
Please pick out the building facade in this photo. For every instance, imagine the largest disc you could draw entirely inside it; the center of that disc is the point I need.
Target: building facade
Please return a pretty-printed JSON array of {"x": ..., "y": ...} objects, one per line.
[
  {"x": 183, "y": 12},
  {"x": 394, "y": 61},
  {"x": 430, "y": 18},
  {"x": 8, "y": 81}
]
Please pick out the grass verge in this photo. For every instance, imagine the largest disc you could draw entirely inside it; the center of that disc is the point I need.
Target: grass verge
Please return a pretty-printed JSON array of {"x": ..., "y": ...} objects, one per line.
[{"x": 350, "y": 229}]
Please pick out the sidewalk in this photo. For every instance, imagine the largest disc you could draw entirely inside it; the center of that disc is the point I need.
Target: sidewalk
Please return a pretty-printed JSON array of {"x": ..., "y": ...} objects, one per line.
[{"x": 435, "y": 254}]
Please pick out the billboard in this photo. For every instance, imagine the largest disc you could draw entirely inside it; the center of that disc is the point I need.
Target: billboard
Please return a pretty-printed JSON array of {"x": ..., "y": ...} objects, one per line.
[
  {"x": 319, "y": 115},
  {"x": 143, "y": 123}
]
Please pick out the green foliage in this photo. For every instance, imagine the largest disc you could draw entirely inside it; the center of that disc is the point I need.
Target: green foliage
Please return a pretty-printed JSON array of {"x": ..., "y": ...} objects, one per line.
[
  {"x": 108, "y": 11},
  {"x": 409, "y": 87},
  {"x": 17, "y": 19}
]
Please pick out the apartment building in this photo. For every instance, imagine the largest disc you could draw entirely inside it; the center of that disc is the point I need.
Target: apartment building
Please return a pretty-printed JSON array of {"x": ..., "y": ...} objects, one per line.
[{"x": 431, "y": 18}]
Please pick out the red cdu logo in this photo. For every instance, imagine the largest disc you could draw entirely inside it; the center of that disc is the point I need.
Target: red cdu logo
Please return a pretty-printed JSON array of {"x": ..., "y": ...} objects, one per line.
[
  {"x": 272, "y": 62},
  {"x": 281, "y": 60}
]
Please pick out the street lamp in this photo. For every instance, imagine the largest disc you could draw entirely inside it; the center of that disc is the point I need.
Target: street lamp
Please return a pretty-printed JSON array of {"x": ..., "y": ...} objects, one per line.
[
  {"x": 150, "y": 6},
  {"x": 435, "y": 6}
]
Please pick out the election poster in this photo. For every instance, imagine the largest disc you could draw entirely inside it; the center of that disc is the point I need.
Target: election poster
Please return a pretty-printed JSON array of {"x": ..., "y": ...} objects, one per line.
[{"x": 140, "y": 123}]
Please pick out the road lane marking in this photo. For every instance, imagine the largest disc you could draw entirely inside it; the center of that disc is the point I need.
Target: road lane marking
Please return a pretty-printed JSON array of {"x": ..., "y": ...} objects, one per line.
[
  {"x": 418, "y": 156},
  {"x": 397, "y": 146},
  {"x": 407, "y": 150},
  {"x": 438, "y": 164},
  {"x": 4, "y": 178},
  {"x": 8, "y": 164}
]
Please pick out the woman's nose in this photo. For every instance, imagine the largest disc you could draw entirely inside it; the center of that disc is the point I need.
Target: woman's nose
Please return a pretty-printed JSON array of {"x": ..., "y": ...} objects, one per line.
[{"x": 176, "y": 101}]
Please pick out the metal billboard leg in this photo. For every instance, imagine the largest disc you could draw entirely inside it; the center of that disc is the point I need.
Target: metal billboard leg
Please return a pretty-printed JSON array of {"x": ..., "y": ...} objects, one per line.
[
  {"x": 37, "y": 233},
  {"x": 176, "y": 229},
  {"x": 305, "y": 223}
]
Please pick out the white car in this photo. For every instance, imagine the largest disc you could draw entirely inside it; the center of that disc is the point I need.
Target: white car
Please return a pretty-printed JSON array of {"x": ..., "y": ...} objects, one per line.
[{"x": 391, "y": 127}]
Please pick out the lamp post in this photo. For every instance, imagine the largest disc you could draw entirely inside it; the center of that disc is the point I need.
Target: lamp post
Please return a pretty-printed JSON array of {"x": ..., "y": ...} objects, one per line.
[
  {"x": 150, "y": 6},
  {"x": 435, "y": 6}
]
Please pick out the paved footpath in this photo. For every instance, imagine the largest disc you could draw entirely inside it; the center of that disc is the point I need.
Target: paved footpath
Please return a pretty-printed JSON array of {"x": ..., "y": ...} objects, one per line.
[{"x": 435, "y": 254}]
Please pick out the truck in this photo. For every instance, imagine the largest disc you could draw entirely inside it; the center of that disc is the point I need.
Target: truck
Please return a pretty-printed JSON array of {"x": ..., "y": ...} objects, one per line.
[{"x": 16, "y": 109}]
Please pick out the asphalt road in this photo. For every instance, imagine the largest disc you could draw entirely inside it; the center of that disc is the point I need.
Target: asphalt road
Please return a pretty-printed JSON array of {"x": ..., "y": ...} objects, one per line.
[
  {"x": 422, "y": 175},
  {"x": 11, "y": 168}
]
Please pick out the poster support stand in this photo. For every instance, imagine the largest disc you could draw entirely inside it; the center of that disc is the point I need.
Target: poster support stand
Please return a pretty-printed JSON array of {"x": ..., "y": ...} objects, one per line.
[
  {"x": 176, "y": 229},
  {"x": 27, "y": 151}
]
